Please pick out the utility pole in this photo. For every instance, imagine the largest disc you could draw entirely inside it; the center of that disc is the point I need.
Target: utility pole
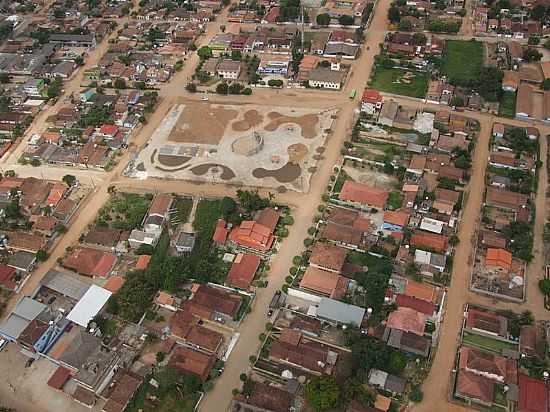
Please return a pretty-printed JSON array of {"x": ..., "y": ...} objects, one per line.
[{"x": 302, "y": 27}]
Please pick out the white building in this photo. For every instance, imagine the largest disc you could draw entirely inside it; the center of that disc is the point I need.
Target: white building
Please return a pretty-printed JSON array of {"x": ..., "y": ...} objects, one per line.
[{"x": 229, "y": 69}]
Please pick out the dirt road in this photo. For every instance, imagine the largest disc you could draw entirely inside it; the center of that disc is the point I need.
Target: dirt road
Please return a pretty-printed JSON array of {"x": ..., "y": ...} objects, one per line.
[
  {"x": 254, "y": 324},
  {"x": 436, "y": 386}
]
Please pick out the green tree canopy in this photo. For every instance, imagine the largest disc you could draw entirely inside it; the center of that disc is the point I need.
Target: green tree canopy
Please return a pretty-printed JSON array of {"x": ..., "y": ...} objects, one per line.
[{"x": 322, "y": 393}]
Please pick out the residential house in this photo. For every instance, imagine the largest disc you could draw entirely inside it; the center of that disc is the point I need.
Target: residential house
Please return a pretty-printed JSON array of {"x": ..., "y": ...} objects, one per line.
[{"x": 363, "y": 196}]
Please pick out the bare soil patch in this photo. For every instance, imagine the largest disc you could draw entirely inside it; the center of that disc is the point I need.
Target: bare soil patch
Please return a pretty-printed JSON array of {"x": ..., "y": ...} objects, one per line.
[
  {"x": 201, "y": 170},
  {"x": 251, "y": 118},
  {"x": 202, "y": 124},
  {"x": 286, "y": 174},
  {"x": 306, "y": 122},
  {"x": 297, "y": 152},
  {"x": 173, "y": 161}
]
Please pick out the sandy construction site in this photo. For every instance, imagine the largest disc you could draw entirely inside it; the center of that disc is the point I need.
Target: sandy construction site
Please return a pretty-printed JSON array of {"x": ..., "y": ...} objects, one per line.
[{"x": 251, "y": 145}]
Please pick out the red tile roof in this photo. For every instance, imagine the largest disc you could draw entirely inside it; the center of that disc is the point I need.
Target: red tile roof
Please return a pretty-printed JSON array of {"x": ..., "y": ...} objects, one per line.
[
  {"x": 325, "y": 283},
  {"x": 328, "y": 256},
  {"x": 190, "y": 361},
  {"x": 475, "y": 386},
  {"x": 407, "y": 320},
  {"x": 268, "y": 397},
  {"x": 364, "y": 194},
  {"x": 253, "y": 235},
  {"x": 533, "y": 395},
  {"x": 108, "y": 129},
  {"x": 242, "y": 270},
  {"x": 216, "y": 299},
  {"x": 114, "y": 283},
  {"x": 483, "y": 320},
  {"x": 56, "y": 193},
  {"x": 421, "y": 291},
  {"x": 204, "y": 338},
  {"x": 143, "y": 262},
  {"x": 488, "y": 364},
  {"x": 499, "y": 258},
  {"x": 6, "y": 277},
  {"x": 220, "y": 234},
  {"x": 430, "y": 240},
  {"x": 59, "y": 378},
  {"x": 419, "y": 305},
  {"x": 371, "y": 96},
  {"x": 396, "y": 218},
  {"x": 160, "y": 204},
  {"x": 123, "y": 391},
  {"x": 268, "y": 217},
  {"x": 90, "y": 262}
]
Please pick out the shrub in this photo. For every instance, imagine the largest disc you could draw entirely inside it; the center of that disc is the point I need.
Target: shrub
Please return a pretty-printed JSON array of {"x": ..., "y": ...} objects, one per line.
[
  {"x": 289, "y": 279},
  {"x": 308, "y": 242}
]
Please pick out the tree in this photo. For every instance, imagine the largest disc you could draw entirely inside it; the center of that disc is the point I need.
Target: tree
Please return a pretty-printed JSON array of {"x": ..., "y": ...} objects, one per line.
[
  {"x": 490, "y": 83},
  {"x": 69, "y": 180},
  {"x": 544, "y": 286},
  {"x": 546, "y": 84},
  {"x": 405, "y": 25},
  {"x": 4, "y": 77},
  {"x": 323, "y": 19},
  {"x": 251, "y": 201},
  {"x": 454, "y": 240},
  {"x": 222, "y": 88},
  {"x": 120, "y": 83},
  {"x": 457, "y": 101},
  {"x": 419, "y": 39},
  {"x": 79, "y": 60},
  {"x": 235, "y": 88},
  {"x": 416, "y": 394},
  {"x": 531, "y": 55},
  {"x": 191, "y": 87},
  {"x": 538, "y": 12},
  {"x": 547, "y": 44},
  {"x": 533, "y": 40},
  {"x": 346, "y": 20},
  {"x": 41, "y": 255},
  {"x": 275, "y": 83},
  {"x": 394, "y": 15},
  {"x": 236, "y": 55},
  {"x": 54, "y": 89},
  {"x": 322, "y": 393},
  {"x": 204, "y": 52},
  {"x": 59, "y": 12}
]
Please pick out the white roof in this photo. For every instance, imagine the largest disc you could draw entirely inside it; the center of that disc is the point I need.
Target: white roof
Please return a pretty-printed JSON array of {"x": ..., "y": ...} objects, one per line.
[
  {"x": 432, "y": 225},
  {"x": 421, "y": 256},
  {"x": 91, "y": 303}
]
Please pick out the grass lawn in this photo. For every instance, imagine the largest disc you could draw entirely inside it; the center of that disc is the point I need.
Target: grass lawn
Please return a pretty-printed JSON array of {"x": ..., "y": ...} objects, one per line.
[
  {"x": 395, "y": 200},
  {"x": 462, "y": 60},
  {"x": 483, "y": 342},
  {"x": 507, "y": 107},
  {"x": 168, "y": 402},
  {"x": 391, "y": 81}
]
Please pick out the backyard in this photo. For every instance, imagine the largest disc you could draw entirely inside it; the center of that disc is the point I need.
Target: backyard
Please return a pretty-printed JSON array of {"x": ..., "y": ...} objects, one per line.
[
  {"x": 483, "y": 342},
  {"x": 398, "y": 81},
  {"x": 462, "y": 61},
  {"x": 124, "y": 211},
  {"x": 507, "y": 107}
]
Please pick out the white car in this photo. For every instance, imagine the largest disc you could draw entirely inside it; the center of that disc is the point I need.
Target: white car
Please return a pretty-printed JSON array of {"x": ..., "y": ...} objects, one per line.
[
  {"x": 3, "y": 343},
  {"x": 204, "y": 98}
]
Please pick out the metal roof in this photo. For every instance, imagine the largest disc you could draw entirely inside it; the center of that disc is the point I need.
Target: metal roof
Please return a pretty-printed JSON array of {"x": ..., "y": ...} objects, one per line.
[
  {"x": 340, "y": 312},
  {"x": 65, "y": 284},
  {"x": 91, "y": 303},
  {"x": 25, "y": 311}
]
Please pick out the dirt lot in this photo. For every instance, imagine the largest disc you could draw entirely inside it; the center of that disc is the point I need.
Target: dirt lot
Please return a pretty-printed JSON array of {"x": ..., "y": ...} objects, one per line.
[
  {"x": 201, "y": 123},
  {"x": 370, "y": 177},
  {"x": 26, "y": 389},
  {"x": 307, "y": 122}
]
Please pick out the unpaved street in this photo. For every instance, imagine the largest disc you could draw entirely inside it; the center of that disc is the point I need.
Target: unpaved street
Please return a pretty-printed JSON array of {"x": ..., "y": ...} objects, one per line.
[{"x": 436, "y": 387}]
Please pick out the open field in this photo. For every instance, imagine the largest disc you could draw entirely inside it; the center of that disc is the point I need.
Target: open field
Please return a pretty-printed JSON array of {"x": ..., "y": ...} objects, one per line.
[
  {"x": 252, "y": 145},
  {"x": 398, "y": 81},
  {"x": 462, "y": 61}
]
